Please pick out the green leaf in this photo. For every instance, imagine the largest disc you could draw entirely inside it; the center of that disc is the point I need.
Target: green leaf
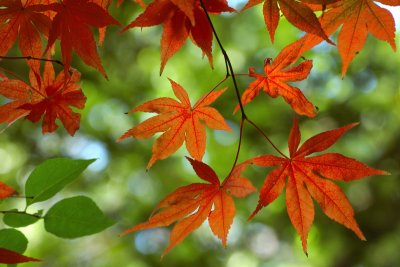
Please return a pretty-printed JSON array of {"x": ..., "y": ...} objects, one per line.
[
  {"x": 19, "y": 219},
  {"x": 14, "y": 240},
  {"x": 51, "y": 176},
  {"x": 75, "y": 217}
]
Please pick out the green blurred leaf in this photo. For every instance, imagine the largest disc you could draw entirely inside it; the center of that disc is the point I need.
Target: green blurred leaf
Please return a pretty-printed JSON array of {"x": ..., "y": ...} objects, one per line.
[
  {"x": 51, "y": 176},
  {"x": 14, "y": 240},
  {"x": 75, "y": 217},
  {"x": 17, "y": 219}
]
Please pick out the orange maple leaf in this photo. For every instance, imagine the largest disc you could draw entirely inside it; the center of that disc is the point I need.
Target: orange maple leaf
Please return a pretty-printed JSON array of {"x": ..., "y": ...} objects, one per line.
[
  {"x": 304, "y": 180},
  {"x": 191, "y": 205},
  {"x": 71, "y": 25},
  {"x": 358, "y": 18},
  {"x": 297, "y": 13},
  {"x": 181, "y": 19},
  {"x": 23, "y": 19},
  {"x": 180, "y": 122},
  {"x": 6, "y": 190},
  {"x": 49, "y": 96},
  {"x": 274, "y": 81}
]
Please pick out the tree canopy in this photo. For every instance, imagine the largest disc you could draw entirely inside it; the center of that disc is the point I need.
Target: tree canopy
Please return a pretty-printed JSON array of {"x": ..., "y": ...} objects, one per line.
[{"x": 106, "y": 95}]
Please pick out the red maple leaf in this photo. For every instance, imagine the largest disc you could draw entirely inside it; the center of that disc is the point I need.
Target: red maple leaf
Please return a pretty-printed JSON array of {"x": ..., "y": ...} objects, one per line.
[
  {"x": 180, "y": 122},
  {"x": 297, "y": 13},
  {"x": 6, "y": 190},
  {"x": 275, "y": 81},
  {"x": 303, "y": 178},
  {"x": 11, "y": 257},
  {"x": 191, "y": 205},
  {"x": 50, "y": 97},
  {"x": 357, "y": 18},
  {"x": 71, "y": 25},
  {"x": 181, "y": 19},
  {"x": 23, "y": 20}
]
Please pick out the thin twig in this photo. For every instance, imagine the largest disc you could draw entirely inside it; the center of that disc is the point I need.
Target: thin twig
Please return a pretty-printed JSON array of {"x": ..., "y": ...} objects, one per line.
[
  {"x": 212, "y": 90},
  {"x": 34, "y": 58},
  {"x": 237, "y": 151},
  {"x": 228, "y": 64},
  {"x": 24, "y": 197},
  {"x": 230, "y": 72}
]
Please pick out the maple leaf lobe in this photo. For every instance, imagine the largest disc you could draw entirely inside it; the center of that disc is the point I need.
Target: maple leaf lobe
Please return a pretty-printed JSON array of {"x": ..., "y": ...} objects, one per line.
[
  {"x": 296, "y": 12},
  {"x": 307, "y": 178},
  {"x": 181, "y": 19},
  {"x": 189, "y": 206},
  {"x": 26, "y": 21},
  {"x": 71, "y": 25},
  {"x": 49, "y": 97},
  {"x": 180, "y": 122},
  {"x": 275, "y": 81},
  {"x": 357, "y": 18}
]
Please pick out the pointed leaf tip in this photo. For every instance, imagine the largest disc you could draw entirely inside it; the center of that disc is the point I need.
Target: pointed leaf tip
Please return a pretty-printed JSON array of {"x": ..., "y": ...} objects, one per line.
[
  {"x": 62, "y": 172},
  {"x": 254, "y": 213},
  {"x": 11, "y": 257},
  {"x": 179, "y": 122},
  {"x": 204, "y": 171},
  {"x": 308, "y": 178},
  {"x": 323, "y": 141},
  {"x": 277, "y": 78}
]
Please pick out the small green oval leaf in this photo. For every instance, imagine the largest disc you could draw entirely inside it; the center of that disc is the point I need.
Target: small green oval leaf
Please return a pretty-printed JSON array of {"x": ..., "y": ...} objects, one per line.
[
  {"x": 51, "y": 176},
  {"x": 18, "y": 219},
  {"x": 75, "y": 217},
  {"x": 13, "y": 239}
]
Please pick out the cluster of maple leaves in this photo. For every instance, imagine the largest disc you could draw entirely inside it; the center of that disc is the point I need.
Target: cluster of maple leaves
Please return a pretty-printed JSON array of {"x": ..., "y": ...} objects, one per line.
[{"x": 33, "y": 22}]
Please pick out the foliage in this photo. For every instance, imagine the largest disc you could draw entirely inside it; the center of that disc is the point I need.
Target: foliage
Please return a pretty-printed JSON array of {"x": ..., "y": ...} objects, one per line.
[
  {"x": 49, "y": 96},
  {"x": 69, "y": 218},
  {"x": 191, "y": 205},
  {"x": 301, "y": 171}
]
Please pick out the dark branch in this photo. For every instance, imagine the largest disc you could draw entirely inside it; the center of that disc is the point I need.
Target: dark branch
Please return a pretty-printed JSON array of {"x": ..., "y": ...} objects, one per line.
[{"x": 34, "y": 58}]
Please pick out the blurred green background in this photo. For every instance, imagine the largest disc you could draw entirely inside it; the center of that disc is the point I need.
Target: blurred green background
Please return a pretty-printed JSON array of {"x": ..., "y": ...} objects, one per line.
[{"x": 119, "y": 183}]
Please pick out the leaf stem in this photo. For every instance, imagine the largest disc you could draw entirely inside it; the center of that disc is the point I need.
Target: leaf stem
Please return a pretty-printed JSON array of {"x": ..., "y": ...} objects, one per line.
[
  {"x": 212, "y": 90},
  {"x": 237, "y": 151},
  {"x": 229, "y": 73},
  {"x": 266, "y": 137}
]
